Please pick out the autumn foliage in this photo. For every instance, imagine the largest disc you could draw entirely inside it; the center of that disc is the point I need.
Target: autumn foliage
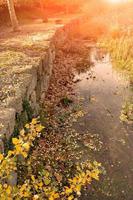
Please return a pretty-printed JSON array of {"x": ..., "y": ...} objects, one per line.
[{"x": 39, "y": 186}]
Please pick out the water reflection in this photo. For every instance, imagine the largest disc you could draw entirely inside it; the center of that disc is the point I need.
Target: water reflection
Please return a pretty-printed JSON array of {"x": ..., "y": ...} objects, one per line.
[{"x": 104, "y": 91}]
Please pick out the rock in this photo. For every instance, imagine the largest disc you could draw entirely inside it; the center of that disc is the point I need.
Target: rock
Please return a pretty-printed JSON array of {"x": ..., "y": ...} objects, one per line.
[
  {"x": 12, "y": 179},
  {"x": 7, "y": 119}
]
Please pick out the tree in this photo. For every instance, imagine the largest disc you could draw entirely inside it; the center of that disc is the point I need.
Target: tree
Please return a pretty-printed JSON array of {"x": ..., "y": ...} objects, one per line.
[
  {"x": 12, "y": 14},
  {"x": 43, "y": 11}
]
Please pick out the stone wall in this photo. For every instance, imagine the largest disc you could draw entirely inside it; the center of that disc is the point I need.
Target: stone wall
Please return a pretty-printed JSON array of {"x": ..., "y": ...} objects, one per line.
[
  {"x": 33, "y": 87},
  {"x": 32, "y": 82}
]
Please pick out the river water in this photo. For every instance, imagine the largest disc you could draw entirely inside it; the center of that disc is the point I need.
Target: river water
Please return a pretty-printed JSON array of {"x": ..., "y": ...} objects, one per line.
[{"x": 103, "y": 91}]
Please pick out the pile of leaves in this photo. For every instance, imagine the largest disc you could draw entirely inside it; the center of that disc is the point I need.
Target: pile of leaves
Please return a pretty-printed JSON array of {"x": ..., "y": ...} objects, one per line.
[{"x": 72, "y": 57}]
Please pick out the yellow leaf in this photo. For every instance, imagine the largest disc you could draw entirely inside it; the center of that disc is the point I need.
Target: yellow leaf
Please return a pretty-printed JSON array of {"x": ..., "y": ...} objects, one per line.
[
  {"x": 36, "y": 187},
  {"x": 15, "y": 141},
  {"x": 26, "y": 146},
  {"x": 24, "y": 154},
  {"x": 1, "y": 156},
  {"x": 33, "y": 178},
  {"x": 68, "y": 190},
  {"x": 26, "y": 194},
  {"x": 8, "y": 190},
  {"x": 40, "y": 184},
  {"x": 18, "y": 149},
  {"x": 34, "y": 121},
  {"x": 56, "y": 195},
  {"x": 97, "y": 164},
  {"x": 10, "y": 153},
  {"x": 22, "y": 132},
  {"x": 71, "y": 197},
  {"x": 78, "y": 188},
  {"x": 74, "y": 180},
  {"x": 51, "y": 198},
  {"x": 95, "y": 175},
  {"x": 27, "y": 126},
  {"x": 39, "y": 128}
]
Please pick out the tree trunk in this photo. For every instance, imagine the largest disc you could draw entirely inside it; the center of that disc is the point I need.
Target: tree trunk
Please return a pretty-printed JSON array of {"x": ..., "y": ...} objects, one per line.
[
  {"x": 43, "y": 11},
  {"x": 13, "y": 16}
]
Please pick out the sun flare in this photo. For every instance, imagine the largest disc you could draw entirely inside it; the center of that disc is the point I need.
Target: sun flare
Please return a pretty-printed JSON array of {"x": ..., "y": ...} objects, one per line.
[{"x": 117, "y": 1}]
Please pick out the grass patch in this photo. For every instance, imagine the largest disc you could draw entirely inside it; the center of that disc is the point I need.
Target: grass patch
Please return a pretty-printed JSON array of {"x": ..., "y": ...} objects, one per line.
[{"x": 121, "y": 52}]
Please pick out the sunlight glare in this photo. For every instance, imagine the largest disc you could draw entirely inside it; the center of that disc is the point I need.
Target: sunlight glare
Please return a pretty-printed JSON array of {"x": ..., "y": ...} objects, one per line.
[{"x": 117, "y": 1}]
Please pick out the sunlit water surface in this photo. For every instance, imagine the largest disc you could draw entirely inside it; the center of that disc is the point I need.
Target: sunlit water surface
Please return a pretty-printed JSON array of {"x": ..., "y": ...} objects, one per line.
[{"x": 104, "y": 91}]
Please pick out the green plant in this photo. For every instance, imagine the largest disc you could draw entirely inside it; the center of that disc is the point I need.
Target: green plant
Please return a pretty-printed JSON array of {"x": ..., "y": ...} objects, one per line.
[
  {"x": 21, "y": 119},
  {"x": 66, "y": 101},
  {"x": 40, "y": 185}
]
